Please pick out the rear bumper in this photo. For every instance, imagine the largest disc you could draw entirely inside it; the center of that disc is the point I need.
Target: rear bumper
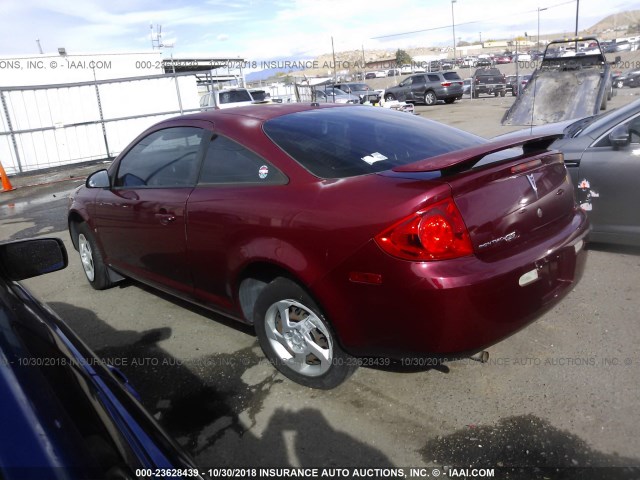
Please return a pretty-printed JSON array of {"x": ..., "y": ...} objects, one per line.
[
  {"x": 489, "y": 88},
  {"x": 449, "y": 307}
]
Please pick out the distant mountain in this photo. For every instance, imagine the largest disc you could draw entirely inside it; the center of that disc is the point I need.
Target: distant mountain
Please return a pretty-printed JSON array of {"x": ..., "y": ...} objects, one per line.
[
  {"x": 616, "y": 22},
  {"x": 615, "y": 25},
  {"x": 267, "y": 73}
]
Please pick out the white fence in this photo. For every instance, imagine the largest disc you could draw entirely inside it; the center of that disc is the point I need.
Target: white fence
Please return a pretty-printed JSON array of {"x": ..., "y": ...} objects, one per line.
[{"x": 52, "y": 125}]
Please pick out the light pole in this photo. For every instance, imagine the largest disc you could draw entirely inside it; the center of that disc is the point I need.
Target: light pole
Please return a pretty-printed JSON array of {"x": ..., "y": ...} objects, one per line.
[
  {"x": 577, "y": 10},
  {"x": 539, "y": 10},
  {"x": 453, "y": 26}
]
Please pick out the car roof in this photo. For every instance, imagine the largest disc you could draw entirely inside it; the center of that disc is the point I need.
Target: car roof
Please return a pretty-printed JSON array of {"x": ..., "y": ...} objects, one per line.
[{"x": 259, "y": 112}]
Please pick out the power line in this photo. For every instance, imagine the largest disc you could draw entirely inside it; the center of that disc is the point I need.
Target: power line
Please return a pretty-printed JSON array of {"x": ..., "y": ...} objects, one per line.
[
  {"x": 420, "y": 31},
  {"x": 466, "y": 23}
]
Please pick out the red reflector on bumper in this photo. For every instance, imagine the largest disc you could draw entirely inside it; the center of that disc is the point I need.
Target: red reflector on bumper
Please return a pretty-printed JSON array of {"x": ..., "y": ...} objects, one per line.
[{"x": 363, "y": 277}]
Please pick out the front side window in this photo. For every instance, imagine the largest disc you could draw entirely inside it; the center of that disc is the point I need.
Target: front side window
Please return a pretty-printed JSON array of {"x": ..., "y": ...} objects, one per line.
[
  {"x": 165, "y": 158},
  {"x": 228, "y": 162}
]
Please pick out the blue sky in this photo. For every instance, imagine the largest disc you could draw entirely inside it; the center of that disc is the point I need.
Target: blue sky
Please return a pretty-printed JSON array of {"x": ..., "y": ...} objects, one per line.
[{"x": 278, "y": 29}]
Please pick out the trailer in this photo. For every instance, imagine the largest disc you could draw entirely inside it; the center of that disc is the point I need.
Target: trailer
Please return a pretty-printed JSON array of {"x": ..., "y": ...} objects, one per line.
[{"x": 572, "y": 81}]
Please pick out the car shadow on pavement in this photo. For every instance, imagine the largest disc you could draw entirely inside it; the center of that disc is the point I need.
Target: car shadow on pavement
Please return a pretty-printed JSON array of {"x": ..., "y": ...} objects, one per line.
[
  {"x": 528, "y": 447},
  {"x": 202, "y": 400},
  {"x": 405, "y": 365}
]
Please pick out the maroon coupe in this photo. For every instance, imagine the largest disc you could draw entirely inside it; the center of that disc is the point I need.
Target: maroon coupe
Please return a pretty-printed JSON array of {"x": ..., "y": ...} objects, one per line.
[{"x": 338, "y": 231}]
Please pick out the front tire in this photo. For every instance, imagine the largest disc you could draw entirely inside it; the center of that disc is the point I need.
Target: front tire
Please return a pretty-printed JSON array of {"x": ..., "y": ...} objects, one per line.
[
  {"x": 93, "y": 265},
  {"x": 430, "y": 98},
  {"x": 297, "y": 339},
  {"x": 603, "y": 105},
  {"x": 389, "y": 97}
]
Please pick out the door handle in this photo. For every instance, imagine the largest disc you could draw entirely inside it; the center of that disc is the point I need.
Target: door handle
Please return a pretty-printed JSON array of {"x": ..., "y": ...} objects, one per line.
[{"x": 164, "y": 217}]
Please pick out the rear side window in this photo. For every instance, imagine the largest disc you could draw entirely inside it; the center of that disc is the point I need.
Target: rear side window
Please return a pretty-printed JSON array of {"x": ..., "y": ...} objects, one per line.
[
  {"x": 451, "y": 76},
  {"x": 345, "y": 142},
  {"x": 166, "y": 158},
  {"x": 434, "y": 78},
  {"x": 229, "y": 162}
]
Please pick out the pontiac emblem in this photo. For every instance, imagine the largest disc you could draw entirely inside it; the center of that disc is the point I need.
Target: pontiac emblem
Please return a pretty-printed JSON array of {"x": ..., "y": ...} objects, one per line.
[{"x": 532, "y": 182}]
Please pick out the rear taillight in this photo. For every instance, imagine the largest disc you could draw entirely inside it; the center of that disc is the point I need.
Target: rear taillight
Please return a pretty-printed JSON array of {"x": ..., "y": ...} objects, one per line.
[
  {"x": 436, "y": 233},
  {"x": 445, "y": 84}
]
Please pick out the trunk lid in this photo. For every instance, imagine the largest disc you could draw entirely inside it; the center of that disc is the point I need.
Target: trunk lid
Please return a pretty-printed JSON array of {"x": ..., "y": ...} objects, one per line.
[{"x": 508, "y": 192}]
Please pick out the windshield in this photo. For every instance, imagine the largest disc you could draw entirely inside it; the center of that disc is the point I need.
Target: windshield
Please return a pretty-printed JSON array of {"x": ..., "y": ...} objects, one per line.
[
  {"x": 345, "y": 142},
  {"x": 574, "y": 129}
]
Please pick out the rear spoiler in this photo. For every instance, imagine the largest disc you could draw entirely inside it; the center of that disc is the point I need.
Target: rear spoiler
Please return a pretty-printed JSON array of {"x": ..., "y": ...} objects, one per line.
[{"x": 472, "y": 155}]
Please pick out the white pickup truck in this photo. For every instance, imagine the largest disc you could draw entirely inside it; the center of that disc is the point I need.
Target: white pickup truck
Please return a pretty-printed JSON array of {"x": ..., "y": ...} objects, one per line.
[{"x": 226, "y": 98}]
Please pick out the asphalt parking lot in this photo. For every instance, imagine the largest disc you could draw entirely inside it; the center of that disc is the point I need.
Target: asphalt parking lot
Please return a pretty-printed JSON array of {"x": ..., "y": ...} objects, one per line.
[{"x": 561, "y": 393}]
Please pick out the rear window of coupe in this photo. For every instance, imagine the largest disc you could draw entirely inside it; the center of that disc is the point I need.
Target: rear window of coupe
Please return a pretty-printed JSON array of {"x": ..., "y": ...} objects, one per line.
[{"x": 359, "y": 140}]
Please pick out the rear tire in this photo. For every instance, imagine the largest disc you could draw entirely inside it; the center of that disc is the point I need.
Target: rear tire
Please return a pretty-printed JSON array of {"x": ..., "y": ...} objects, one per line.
[
  {"x": 449, "y": 100},
  {"x": 93, "y": 265},
  {"x": 389, "y": 97},
  {"x": 297, "y": 339},
  {"x": 430, "y": 98},
  {"x": 503, "y": 93}
]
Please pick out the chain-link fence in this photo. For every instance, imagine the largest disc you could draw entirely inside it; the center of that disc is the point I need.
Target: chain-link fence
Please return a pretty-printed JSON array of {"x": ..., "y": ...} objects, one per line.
[{"x": 52, "y": 125}]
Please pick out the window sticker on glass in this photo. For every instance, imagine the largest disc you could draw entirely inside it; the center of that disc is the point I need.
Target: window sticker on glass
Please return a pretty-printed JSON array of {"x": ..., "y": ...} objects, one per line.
[
  {"x": 374, "y": 157},
  {"x": 263, "y": 172}
]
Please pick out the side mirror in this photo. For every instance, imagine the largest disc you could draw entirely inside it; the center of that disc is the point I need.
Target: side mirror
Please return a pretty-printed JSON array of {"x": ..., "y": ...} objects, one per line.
[
  {"x": 619, "y": 136},
  {"x": 30, "y": 258},
  {"x": 99, "y": 179}
]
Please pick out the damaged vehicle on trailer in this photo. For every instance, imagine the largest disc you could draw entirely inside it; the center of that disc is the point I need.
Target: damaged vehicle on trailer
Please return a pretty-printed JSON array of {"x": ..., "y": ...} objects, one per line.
[
  {"x": 575, "y": 85},
  {"x": 338, "y": 231}
]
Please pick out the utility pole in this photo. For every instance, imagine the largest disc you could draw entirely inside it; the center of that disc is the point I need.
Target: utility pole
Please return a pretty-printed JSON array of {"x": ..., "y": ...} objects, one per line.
[
  {"x": 539, "y": 10},
  {"x": 453, "y": 26}
]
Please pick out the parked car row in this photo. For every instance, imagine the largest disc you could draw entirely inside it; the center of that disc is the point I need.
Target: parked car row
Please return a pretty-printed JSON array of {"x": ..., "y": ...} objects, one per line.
[
  {"x": 629, "y": 78},
  {"x": 363, "y": 91},
  {"x": 334, "y": 95},
  {"x": 516, "y": 83}
]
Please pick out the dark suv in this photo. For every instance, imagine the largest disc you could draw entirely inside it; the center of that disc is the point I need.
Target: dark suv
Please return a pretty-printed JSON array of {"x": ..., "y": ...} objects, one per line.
[{"x": 427, "y": 88}]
